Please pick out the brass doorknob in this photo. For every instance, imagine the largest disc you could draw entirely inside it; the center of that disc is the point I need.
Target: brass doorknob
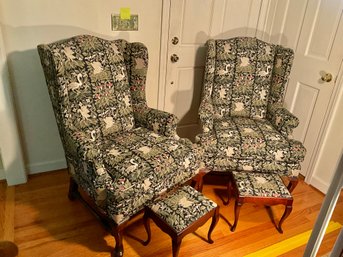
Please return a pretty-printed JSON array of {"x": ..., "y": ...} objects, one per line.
[
  {"x": 327, "y": 77},
  {"x": 175, "y": 40},
  {"x": 174, "y": 58}
]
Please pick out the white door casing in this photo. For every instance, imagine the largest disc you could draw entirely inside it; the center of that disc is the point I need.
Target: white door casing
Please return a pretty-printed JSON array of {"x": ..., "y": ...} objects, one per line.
[{"x": 192, "y": 22}]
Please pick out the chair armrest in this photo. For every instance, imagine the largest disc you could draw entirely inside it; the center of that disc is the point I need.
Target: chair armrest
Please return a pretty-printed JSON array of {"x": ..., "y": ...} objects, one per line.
[
  {"x": 206, "y": 115},
  {"x": 282, "y": 119},
  {"x": 207, "y": 141},
  {"x": 82, "y": 150},
  {"x": 160, "y": 122}
]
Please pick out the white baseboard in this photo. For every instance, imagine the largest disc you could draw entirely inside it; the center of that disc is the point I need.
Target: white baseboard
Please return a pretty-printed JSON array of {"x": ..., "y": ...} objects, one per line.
[
  {"x": 319, "y": 184},
  {"x": 41, "y": 167}
]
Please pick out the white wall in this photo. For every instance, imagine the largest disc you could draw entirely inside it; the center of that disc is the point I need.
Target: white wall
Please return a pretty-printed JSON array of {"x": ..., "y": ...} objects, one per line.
[
  {"x": 12, "y": 163},
  {"x": 25, "y": 24}
]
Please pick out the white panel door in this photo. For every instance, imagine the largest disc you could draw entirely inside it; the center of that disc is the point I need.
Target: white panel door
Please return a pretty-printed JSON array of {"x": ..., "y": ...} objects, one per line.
[
  {"x": 319, "y": 53},
  {"x": 191, "y": 23}
]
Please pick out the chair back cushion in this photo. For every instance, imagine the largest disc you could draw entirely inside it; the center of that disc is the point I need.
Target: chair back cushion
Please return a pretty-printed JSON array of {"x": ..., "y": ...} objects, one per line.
[
  {"x": 88, "y": 85},
  {"x": 243, "y": 71}
]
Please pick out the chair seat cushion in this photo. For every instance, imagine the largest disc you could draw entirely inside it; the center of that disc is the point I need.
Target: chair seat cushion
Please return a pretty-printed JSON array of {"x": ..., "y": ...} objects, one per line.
[
  {"x": 245, "y": 138},
  {"x": 144, "y": 165},
  {"x": 241, "y": 143}
]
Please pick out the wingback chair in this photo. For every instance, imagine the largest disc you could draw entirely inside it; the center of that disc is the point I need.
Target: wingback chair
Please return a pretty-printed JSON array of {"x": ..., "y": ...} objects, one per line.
[
  {"x": 244, "y": 124},
  {"x": 120, "y": 152}
]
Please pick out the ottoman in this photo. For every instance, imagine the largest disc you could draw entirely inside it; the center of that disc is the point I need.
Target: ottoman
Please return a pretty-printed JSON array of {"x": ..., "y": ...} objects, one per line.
[
  {"x": 261, "y": 188},
  {"x": 180, "y": 213}
]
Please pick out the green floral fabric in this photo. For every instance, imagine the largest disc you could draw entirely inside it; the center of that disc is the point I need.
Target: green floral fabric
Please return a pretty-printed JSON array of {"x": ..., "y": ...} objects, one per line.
[
  {"x": 121, "y": 152},
  {"x": 244, "y": 124},
  {"x": 250, "y": 184},
  {"x": 180, "y": 209}
]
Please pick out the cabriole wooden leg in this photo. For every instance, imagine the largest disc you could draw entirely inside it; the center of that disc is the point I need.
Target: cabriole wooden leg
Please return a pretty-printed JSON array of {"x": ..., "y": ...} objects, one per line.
[
  {"x": 293, "y": 182},
  {"x": 215, "y": 219},
  {"x": 119, "y": 249},
  {"x": 238, "y": 205},
  {"x": 288, "y": 210},
  {"x": 146, "y": 221}
]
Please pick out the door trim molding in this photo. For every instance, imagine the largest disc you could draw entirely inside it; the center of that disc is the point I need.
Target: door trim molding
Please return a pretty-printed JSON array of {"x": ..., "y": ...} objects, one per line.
[
  {"x": 163, "y": 54},
  {"x": 327, "y": 122}
]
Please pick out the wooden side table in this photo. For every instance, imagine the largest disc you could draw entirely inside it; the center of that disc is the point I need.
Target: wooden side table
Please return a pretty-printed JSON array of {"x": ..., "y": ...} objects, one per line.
[
  {"x": 181, "y": 213},
  {"x": 261, "y": 188}
]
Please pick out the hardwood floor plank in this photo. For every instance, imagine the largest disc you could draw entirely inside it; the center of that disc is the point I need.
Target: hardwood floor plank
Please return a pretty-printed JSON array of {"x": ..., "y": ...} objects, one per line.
[
  {"x": 7, "y": 209},
  {"x": 46, "y": 223}
]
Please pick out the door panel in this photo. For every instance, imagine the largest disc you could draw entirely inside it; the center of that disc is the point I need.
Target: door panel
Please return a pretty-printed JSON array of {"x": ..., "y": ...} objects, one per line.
[
  {"x": 322, "y": 34},
  {"x": 197, "y": 21}
]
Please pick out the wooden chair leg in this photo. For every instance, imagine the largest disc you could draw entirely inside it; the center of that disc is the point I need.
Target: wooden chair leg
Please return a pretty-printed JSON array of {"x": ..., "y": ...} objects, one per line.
[
  {"x": 146, "y": 222},
  {"x": 229, "y": 192},
  {"x": 288, "y": 210},
  {"x": 293, "y": 182},
  {"x": 73, "y": 189},
  {"x": 198, "y": 180},
  {"x": 176, "y": 243},
  {"x": 238, "y": 205},
  {"x": 214, "y": 222}
]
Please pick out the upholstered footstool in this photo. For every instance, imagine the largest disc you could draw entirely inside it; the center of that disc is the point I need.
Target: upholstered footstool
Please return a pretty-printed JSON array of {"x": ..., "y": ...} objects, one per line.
[
  {"x": 181, "y": 213},
  {"x": 261, "y": 188}
]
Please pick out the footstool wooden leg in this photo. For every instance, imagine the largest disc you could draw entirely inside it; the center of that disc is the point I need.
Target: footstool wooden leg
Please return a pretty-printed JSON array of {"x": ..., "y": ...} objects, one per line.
[
  {"x": 238, "y": 205},
  {"x": 215, "y": 219},
  {"x": 186, "y": 217},
  {"x": 293, "y": 182},
  {"x": 176, "y": 243},
  {"x": 288, "y": 210},
  {"x": 146, "y": 222}
]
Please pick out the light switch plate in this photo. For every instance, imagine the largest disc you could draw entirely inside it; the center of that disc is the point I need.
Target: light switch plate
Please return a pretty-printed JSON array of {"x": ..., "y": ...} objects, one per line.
[{"x": 124, "y": 25}]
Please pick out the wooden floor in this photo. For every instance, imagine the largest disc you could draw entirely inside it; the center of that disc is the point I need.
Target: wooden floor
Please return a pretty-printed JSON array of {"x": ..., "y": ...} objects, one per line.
[{"x": 41, "y": 220}]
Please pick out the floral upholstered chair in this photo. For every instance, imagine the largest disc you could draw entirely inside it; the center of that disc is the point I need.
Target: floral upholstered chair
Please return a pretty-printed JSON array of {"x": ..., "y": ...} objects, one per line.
[
  {"x": 122, "y": 153},
  {"x": 245, "y": 126}
]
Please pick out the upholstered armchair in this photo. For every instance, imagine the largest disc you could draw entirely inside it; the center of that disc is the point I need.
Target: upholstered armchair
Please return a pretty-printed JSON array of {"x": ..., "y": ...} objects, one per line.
[
  {"x": 244, "y": 124},
  {"x": 120, "y": 152}
]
